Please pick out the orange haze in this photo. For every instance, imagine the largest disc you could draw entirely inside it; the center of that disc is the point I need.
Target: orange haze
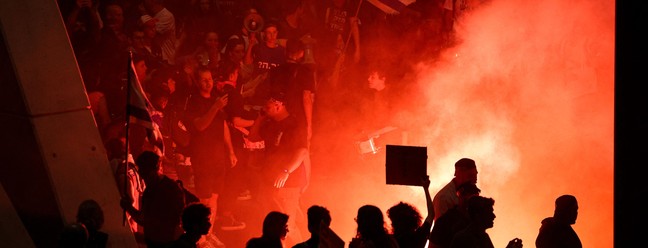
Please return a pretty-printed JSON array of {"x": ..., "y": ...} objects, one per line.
[{"x": 528, "y": 95}]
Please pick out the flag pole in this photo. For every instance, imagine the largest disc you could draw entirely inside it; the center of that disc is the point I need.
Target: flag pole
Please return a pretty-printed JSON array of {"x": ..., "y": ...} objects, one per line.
[
  {"x": 338, "y": 64},
  {"x": 346, "y": 44},
  {"x": 127, "y": 148}
]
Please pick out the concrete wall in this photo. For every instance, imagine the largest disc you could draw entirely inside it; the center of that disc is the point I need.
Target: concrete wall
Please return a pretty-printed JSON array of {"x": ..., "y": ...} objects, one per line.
[{"x": 50, "y": 148}]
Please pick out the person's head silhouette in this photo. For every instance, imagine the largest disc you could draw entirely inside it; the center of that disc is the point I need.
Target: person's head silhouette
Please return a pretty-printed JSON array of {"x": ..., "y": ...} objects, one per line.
[
  {"x": 566, "y": 209},
  {"x": 404, "y": 217},
  {"x": 465, "y": 171},
  {"x": 370, "y": 221},
  {"x": 91, "y": 215},
  {"x": 318, "y": 216},
  {"x": 195, "y": 219},
  {"x": 275, "y": 225},
  {"x": 148, "y": 164},
  {"x": 481, "y": 212}
]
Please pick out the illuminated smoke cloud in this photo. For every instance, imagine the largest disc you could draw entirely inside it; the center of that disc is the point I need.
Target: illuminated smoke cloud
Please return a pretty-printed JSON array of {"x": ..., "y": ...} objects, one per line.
[{"x": 527, "y": 93}]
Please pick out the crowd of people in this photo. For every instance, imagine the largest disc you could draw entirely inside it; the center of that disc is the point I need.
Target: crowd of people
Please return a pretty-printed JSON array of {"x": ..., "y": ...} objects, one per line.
[
  {"x": 233, "y": 87},
  {"x": 171, "y": 220}
]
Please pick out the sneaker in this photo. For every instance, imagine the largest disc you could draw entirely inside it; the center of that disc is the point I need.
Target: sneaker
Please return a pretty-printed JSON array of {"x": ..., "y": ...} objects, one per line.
[
  {"x": 244, "y": 196},
  {"x": 228, "y": 223}
]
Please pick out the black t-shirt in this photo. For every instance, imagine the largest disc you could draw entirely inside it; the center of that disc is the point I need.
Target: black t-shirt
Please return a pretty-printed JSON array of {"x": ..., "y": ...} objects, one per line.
[
  {"x": 235, "y": 108},
  {"x": 282, "y": 139},
  {"x": 266, "y": 59},
  {"x": 208, "y": 143},
  {"x": 293, "y": 79}
]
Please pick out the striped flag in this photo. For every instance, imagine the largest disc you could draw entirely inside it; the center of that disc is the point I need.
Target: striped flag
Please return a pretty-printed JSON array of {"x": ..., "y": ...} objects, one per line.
[
  {"x": 139, "y": 109},
  {"x": 392, "y": 7}
]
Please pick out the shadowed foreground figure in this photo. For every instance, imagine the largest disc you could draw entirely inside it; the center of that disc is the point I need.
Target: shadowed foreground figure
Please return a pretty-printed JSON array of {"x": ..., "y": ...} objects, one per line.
[
  {"x": 196, "y": 223},
  {"x": 319, "y": 220},
  {"x": 371, "y": 230},
  {"x": 455, "y": 219},
  {"x": 275, "y": 228},
  {"x": 446, "y": 198},
  {"x": 482, "y": 217},
  {"x": 91, "y": 216},
  {"x": 162, "y": 203},
  {"x": 74, "y": 235},
  {"x": 318, "y": 217},
  {"x": 407, "y": 226},
  {"x": 557, "y": 231}
]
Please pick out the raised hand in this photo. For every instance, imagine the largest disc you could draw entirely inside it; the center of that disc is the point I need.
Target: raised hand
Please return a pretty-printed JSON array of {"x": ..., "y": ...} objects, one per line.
[
  {"x": 515, "y": 243},
  {"x": 253, "y": 39},
  {"x": 221, "y": 102},
  {"x": 426, "y": 182}
]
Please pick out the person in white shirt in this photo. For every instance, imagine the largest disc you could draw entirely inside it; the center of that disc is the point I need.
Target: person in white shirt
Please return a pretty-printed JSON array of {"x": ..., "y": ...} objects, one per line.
[{"x": 446, "y": 198}]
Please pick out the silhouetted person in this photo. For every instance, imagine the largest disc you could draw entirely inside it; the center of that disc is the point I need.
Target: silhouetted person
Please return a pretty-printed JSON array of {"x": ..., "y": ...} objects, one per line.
[
  {"x": 74, "y": 235},
  {"x": 446, "y": 198},
  {"x": 482, "y": 217},
  {"x": 318, "y": 217},
  {"x": 371, "y": 230},
  {"x": 408, "y": 229},
  {"x": 557, "y": 231},
  {"x": 275, "y": 228},
  {"x": 196, "y": 223},
  {"x": 455, "y": 219},
  {"x": 91, "y": 216},
  {"x": 162, "y": 203},
  {"x": 128, "y": 179}
]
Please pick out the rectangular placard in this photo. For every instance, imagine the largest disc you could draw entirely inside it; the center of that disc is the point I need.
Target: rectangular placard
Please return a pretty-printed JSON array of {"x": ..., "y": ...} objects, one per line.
[{"x": 406, "y": 165}]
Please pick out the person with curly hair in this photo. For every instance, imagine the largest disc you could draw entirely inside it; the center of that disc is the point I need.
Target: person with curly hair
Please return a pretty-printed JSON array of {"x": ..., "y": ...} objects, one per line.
[{"x": 407, "y": 225}]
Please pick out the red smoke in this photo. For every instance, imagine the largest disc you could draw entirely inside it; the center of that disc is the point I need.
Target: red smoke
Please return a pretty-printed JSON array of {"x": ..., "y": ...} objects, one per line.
[{"x": 528, "y": 95}]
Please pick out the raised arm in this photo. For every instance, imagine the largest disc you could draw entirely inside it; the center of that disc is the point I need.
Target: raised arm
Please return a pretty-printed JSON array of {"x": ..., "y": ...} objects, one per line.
[
  {"x": 255, "y": 130},
  {"x": 202, "y": 122},
  {"x": 428, "y": 200},
  {"x": 248, "y": 59},
  {"x": 240, "y": 122}
]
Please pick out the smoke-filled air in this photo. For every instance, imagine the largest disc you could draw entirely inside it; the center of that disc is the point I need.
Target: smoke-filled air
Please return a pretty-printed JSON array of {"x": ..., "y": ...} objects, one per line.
[{"x": 527, "y": 92}]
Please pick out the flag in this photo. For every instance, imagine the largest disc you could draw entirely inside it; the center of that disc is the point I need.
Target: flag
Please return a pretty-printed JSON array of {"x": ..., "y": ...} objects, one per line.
[
  {"x": 139, "y": 109},
  {"x": 391, "y": 7}
]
